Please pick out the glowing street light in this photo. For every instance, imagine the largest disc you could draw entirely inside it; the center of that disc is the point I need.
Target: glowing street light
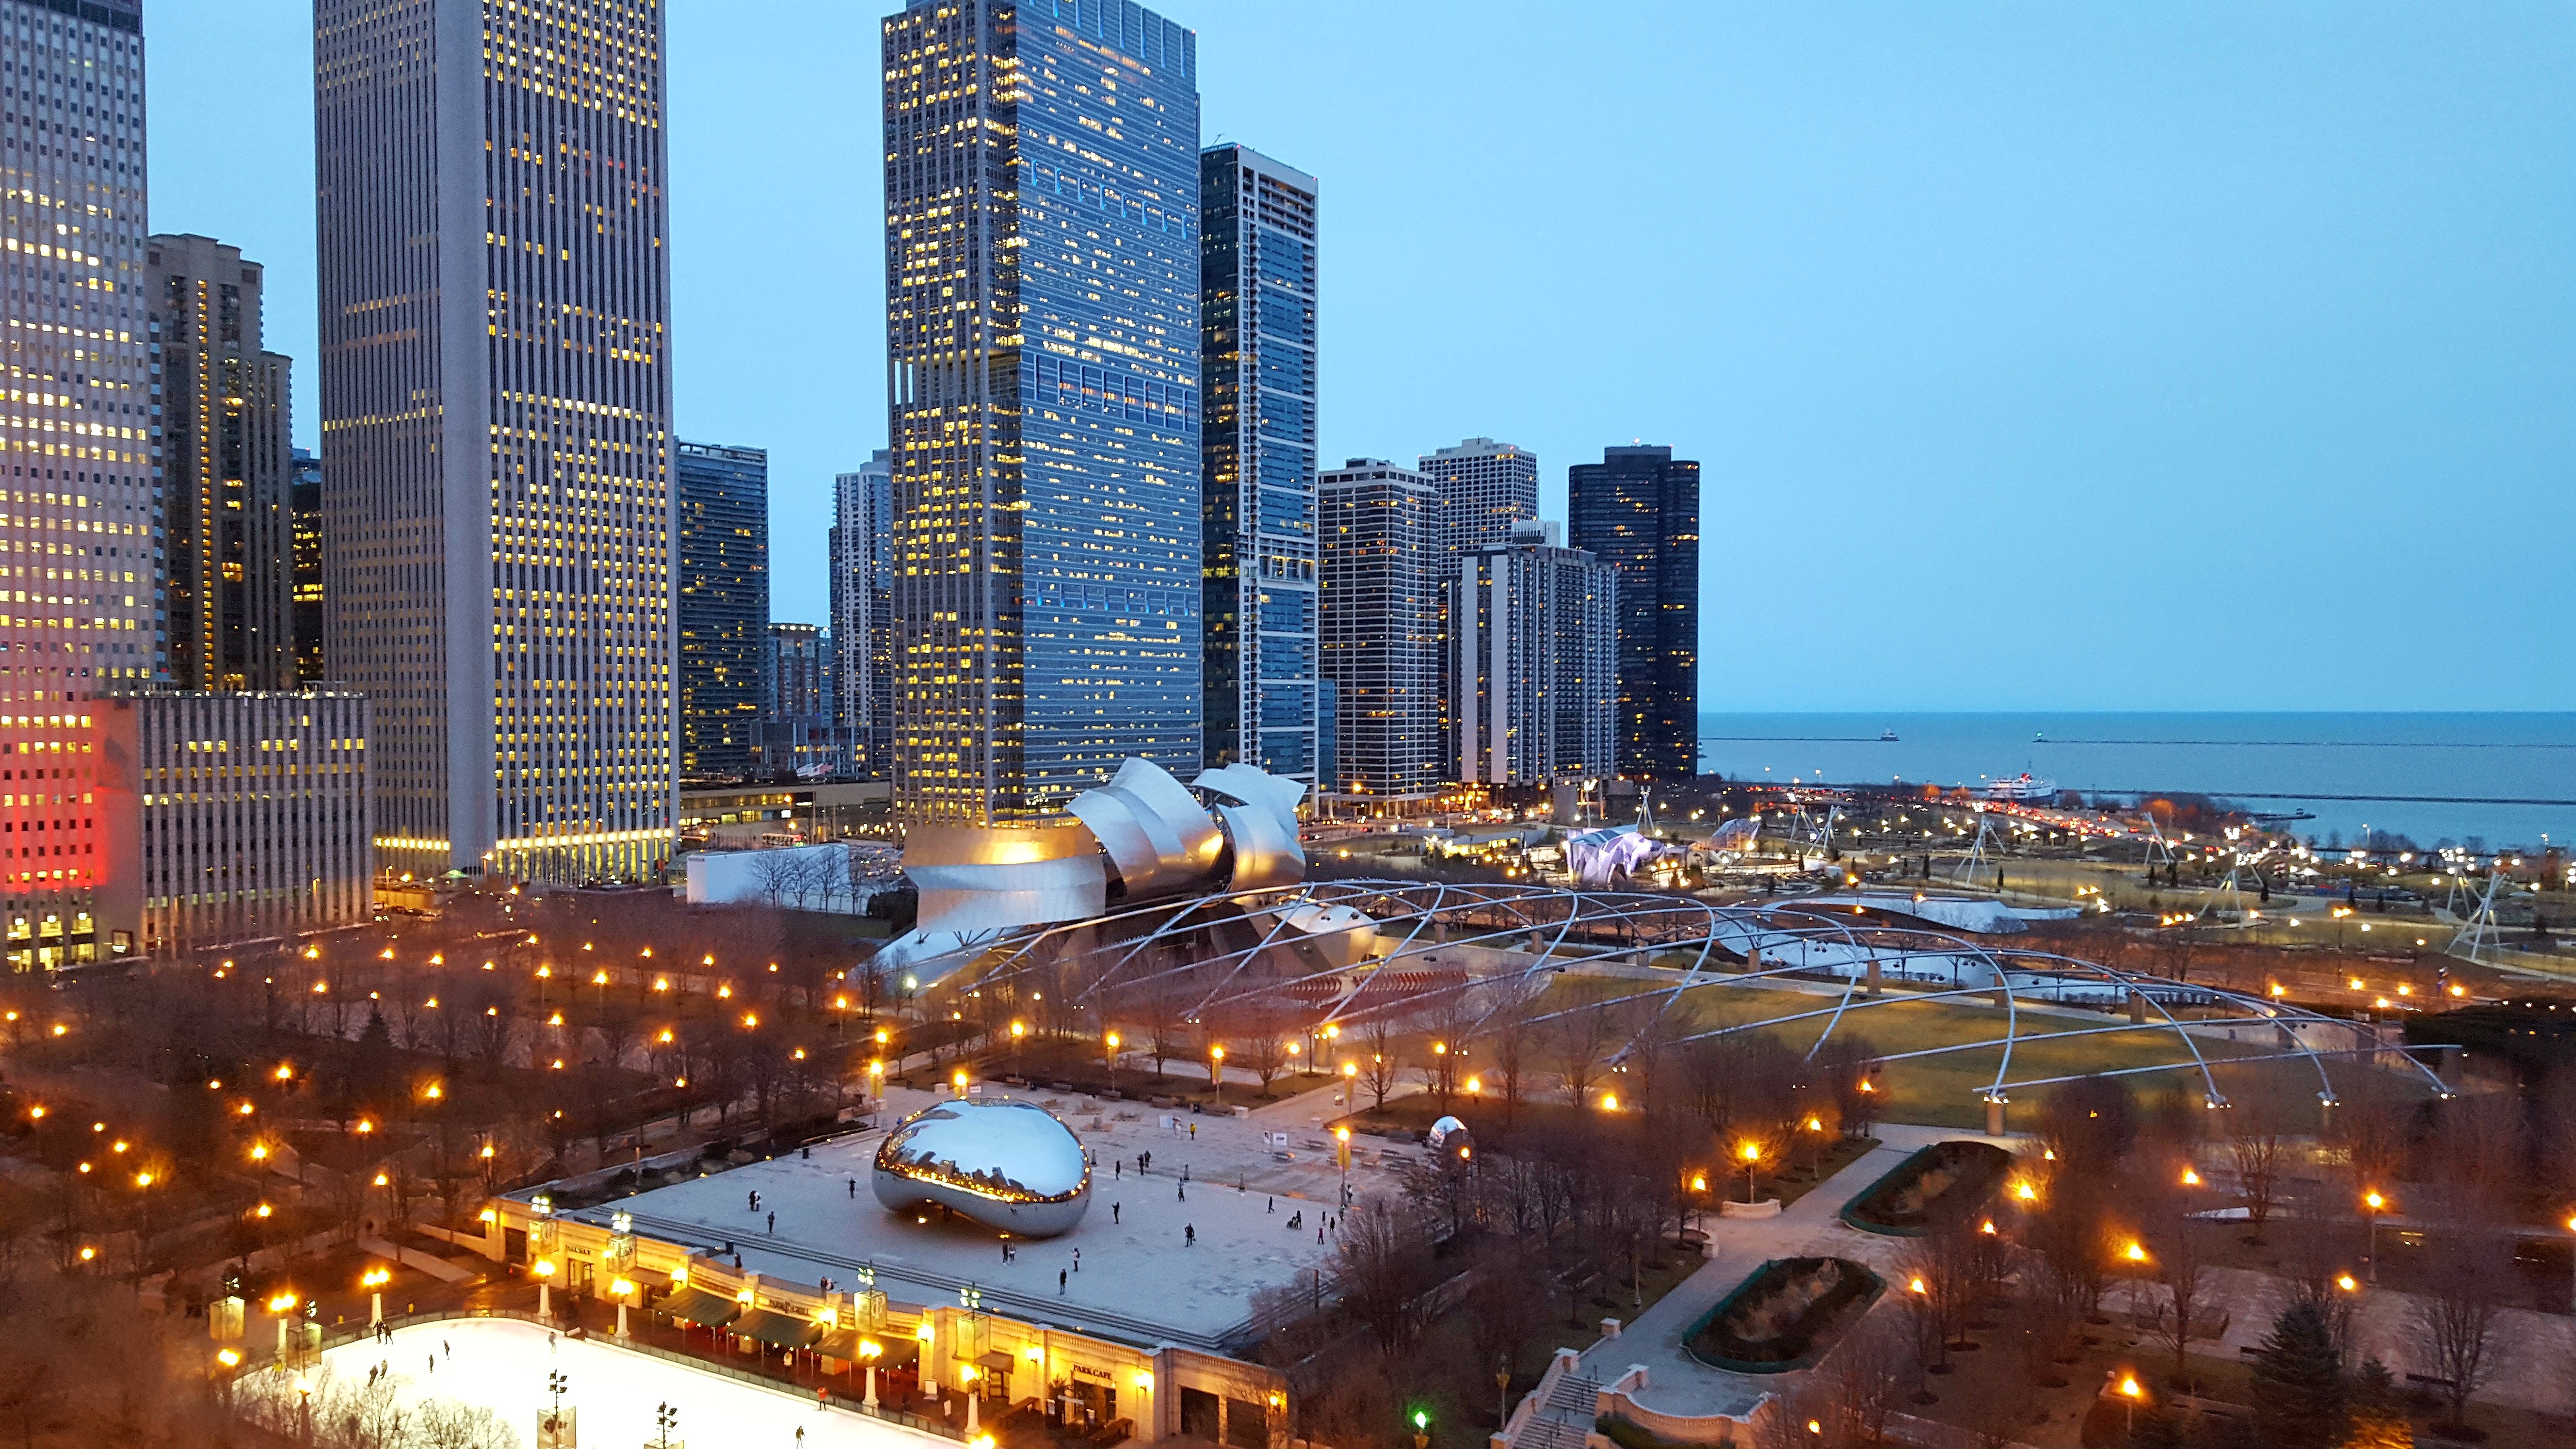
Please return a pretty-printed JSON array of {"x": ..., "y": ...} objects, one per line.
[{"x": 2374, "y": 1202}]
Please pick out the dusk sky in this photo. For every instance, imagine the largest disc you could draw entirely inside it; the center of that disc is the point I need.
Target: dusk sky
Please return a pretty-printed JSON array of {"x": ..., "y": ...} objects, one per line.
[{"x": 2138, "y": 356}]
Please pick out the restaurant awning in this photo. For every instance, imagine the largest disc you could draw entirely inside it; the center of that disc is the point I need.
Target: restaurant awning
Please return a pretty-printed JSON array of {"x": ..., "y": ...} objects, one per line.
[
  {"x": 843, "y": 1344},
  {"x": 778, "y": 1330},
  {"x": 696, "y": 1305}
]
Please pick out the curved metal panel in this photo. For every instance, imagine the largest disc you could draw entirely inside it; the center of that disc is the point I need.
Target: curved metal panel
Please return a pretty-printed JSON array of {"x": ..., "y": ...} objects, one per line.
[
  {"x": 1007, "y": 1165},
  {"x": 997, "y": 878},
  {"x": 1265, "y": 854},
  {"x": 1156, "y": 834},
  {"x": 1257, "y": 788}
]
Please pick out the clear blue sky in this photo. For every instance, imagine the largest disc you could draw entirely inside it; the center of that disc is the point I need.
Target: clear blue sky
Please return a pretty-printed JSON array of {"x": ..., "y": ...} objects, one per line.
[{"x": 2037, "y": 355}]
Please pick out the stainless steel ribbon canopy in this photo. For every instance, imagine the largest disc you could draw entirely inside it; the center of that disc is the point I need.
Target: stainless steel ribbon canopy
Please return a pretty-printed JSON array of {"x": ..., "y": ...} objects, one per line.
[{"x": 1007, "y": 1165}]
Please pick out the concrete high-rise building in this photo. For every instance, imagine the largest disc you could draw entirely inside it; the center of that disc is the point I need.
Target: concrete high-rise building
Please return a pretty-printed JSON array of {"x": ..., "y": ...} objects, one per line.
[
  {"x": 721, "y": 500},
  {"x": 1042, "y": 301},
  {"x": 1381, "y": 632},
  {"x": 226, "y": 468},
  {"x": 863, "y": 607},
  {"x": 792, "y": 671},
  {"x": 1637, "y": 510},
  {"x": 304, "y": 504},
  {"x": 496, "y": 399},
  {"x": 77, "y": 458},
  {"x": 256, "y": 814},
  {"x": 800, "y": 729},
  {"x": 1485, "y": 488},
  {"x": 1533, "y": 662},
  {"x": 1257, "y": 316}
]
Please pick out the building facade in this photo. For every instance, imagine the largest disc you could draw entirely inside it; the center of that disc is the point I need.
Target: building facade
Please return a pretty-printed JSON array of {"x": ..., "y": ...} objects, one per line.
[
  {"x": 1042, "y": 305},
  {"x": 1381, "y": 631},
  {"x": 1637, "y": 510},
  {"x": 800, "y": 730},
  {"x": 257, "y": 819},
  {"x": 863, "y": 608},
  {"x": 226, "y": 470},
  {"x": 1485, "y": 488},
  {"x": 1533, "y": 663},
  {"x": 722, "y": 502},
  {"x": 304, "y": 506},
  {"x": 495, "y": 397},
  {"x": 77, "y": 467},
  {"x": 1257, "y": 271}
]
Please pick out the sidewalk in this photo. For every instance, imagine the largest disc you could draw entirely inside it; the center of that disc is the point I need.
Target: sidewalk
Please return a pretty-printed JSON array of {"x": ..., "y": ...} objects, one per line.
[{"x": 1679, "y": 1384}]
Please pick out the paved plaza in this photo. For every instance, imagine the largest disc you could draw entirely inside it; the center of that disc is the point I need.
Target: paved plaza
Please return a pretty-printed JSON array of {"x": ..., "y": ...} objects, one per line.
[{"x": 1180, "y": 1249}]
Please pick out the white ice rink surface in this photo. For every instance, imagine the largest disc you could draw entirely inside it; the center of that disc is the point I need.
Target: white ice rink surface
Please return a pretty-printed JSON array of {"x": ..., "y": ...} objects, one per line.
[{"x": 501, "y": 1364}]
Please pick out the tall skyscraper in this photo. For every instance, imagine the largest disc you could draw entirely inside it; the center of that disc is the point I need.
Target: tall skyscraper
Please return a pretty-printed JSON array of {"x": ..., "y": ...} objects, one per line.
[
  {"x": 1637, "y": 510},
  {"x": 304, "y": 502},
  {"x": 1042, "y": 308},
  {"x": 1381, "y": 631},
  {"x": 863, "y": 606},
  {"x": 1533, "y": 662},
  {"x": 226, "y": 463},
  {"x": 76, "y": 471},
  {"x": 1485, "y": 488},
  {"x": 722, "y": 503},
  {"x": 496, "y": 402},
  {"x": 1258, "y": 499}
]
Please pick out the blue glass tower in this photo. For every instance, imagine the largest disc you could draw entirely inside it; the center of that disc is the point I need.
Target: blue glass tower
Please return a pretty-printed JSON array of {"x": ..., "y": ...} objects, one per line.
[
  {"x": 722, "y": 502},
  {"x": 1258, "y": 500},
  {"x": 1042, "y": 308}
]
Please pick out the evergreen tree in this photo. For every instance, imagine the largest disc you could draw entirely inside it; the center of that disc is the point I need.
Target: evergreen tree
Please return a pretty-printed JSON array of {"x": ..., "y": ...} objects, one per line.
[
  {"x": 2378, "y": 1411},
  {"x": 2298, "y": 1382},
  {"x": 371, "y": 1075}
]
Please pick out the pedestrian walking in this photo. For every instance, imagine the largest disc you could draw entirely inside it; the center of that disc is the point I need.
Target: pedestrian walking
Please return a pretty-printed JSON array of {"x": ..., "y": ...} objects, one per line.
[
  {"x": 1189, "y": 1235},
  {"x": 1059, "y": 1281},
  {"x": 433, "y": 1363},
  {"x": 1113, "y": 1213},
  {"x": 1077, "y": 1260},
  {"x": 773, "y": 1223},
  {"x": 854, "y": 1187},
  {"x": 1183, "y": 1191},
  {"x": 1270, "y": 1204}
]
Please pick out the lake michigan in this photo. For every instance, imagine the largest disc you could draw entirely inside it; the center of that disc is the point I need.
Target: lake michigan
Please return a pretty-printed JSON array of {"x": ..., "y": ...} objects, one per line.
[{"x": 2504, "y": 779}]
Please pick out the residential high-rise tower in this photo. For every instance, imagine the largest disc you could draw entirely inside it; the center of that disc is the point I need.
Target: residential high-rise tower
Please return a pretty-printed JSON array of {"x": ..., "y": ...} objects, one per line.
[
  {"x": 1637, "y": 510},
  {"x": 226, "y": 468},
  {"x": 496, "y": 397},
  {"x": 304, "y": 503},
  {"x": 1533, "y": 662},
  {"x": 721, "y": 499},
  {"x": 1381, "y": 632},
  {"x": 76, "y": 473},
  {"x": 1257, "y": 316},
  {"x": 1485, "y": 488},
  {"x": 863, "y": 607},
  {"x": 1042, "y": 308}
]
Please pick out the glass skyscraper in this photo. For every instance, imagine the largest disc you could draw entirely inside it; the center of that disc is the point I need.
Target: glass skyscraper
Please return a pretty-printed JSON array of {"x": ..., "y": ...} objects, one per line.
[
  {"x": 863, "y": 608},
  {"x": 721, "y": 496},
  {"x": 1257, "y": 316},
  {"x": 1042, "y": 307},
  {"x": 1637, "y": 510}
]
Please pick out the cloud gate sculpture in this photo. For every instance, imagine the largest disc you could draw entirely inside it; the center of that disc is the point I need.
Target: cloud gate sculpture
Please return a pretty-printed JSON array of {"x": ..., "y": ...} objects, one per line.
[{"x": 1007, "y": 1165}]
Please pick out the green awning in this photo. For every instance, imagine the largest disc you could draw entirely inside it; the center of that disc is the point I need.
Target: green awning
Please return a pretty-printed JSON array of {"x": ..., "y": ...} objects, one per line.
[
  {"x": 778, "y": 1330},
  {"x": 840, "y": 1343},
  {"x": 696, "y": 1305},
  {"x": 843, "y": 1344}
]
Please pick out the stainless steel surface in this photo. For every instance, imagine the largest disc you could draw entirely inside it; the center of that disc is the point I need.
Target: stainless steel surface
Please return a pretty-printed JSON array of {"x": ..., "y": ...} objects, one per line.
[
  {"x": 1007, "y": 1165},
  {"x": 1157, "y": 836}
]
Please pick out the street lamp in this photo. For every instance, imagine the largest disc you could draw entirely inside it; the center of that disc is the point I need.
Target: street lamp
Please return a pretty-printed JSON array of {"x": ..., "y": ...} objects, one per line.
[
  {"x": 2130, "y": 1393},
  {"x": 1109, "y": 1054},
  {"x": 1752, "y": 1155},
  {"x": 2374, "y": 1202},
  {"x": 1216, "y": 1071},
  {"x": 374, "y": 1280}
]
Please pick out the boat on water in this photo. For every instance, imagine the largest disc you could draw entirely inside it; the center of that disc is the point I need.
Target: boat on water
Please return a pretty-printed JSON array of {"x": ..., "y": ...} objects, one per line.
[
  {"x": 1887, "y": 736},
  {"x": 2024, "y": 788}
]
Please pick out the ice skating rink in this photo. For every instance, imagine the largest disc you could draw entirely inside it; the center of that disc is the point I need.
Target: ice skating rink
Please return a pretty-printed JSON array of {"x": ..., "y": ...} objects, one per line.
[{"x": 502, "y": 1364}]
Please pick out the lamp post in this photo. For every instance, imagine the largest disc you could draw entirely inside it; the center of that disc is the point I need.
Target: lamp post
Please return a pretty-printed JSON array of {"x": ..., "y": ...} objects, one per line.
[
  {"x": 1216, "y": 1072},
  {"x": 1109, "y": 1055},
  {"x": 623, "y": 1289},
  {"x": 2130, "y": 1393},
  {"x": 2374, "y": 1202},
  {"x": 374, "y": 1280},
  {"x": 869, "y": 1352},
  {"x": 544, "y": 1268},
  {"x": 1752, "y": 1153}
]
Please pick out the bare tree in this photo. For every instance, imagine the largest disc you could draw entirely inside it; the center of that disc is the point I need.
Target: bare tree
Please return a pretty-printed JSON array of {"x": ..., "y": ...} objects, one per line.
[
  {"x": 1386, "y": 1268},
  {"x": 2453, "y": 1320},
  {"x": 2175, "y": 1251},
  {"x": 1379, "y": 1071},
  {"x": 1581, "y": 1039},
  {"x": 775, "y": 874},
  {"x": 2257, "y": 1147}
]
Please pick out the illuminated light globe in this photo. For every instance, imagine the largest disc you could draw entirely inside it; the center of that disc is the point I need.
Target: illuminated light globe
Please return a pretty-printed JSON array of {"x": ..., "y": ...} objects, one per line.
[
  {"x": 1007, "y": 1165},
  {"x": 1449, "y": 1141}
]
